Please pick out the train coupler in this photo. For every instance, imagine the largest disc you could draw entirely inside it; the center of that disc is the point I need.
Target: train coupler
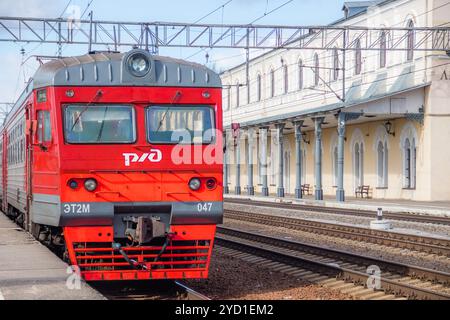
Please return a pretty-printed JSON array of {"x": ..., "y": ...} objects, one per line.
[{"x": 143, "y": 229}]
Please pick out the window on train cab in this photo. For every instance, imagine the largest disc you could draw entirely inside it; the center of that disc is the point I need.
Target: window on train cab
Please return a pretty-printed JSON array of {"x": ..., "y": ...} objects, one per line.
[
  {"x": 99, "y": 124},
  {"x": 44, "y": 130},
  {"x": 180, "y": 124},
  {"x": 42, "y": 95}
]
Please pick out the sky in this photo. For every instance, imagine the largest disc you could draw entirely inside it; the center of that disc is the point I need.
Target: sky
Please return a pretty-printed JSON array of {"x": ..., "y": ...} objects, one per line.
[{"x": 14, "y": 73}]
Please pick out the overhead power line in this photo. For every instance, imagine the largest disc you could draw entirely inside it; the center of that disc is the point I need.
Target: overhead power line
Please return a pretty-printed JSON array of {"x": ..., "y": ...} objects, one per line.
[{"x": 167, "y": 34}]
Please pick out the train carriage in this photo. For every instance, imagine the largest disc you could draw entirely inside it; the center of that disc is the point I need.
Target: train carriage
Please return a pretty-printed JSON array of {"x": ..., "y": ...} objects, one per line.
[{"x": 118, "y": 157}]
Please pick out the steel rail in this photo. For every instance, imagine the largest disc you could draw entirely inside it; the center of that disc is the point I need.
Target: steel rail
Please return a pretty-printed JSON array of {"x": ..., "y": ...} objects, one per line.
[
  {"x": 308, "y": 256},
  {"x": 437, "y": 246},
  {"x": 132, "y": 290},
  {"x": 190, "y": 294},
  {"x": 351, "y": 212}
]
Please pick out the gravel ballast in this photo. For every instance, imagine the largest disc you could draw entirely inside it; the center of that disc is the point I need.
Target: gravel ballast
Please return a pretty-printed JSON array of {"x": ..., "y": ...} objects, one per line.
[{"x": 233, "y": 279}]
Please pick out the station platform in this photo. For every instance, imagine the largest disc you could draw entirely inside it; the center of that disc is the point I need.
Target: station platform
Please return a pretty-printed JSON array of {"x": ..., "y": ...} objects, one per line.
[
  {"x": 29, "y": 271},
  {"x": 440, "y": 208}
]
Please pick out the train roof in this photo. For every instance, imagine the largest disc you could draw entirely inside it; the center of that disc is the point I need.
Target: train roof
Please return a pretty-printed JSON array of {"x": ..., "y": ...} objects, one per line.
[{"x": 112, "y": 69}]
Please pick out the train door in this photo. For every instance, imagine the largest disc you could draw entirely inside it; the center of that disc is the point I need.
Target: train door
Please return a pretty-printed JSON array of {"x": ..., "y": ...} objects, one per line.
[{"x": 43, "y": 165}]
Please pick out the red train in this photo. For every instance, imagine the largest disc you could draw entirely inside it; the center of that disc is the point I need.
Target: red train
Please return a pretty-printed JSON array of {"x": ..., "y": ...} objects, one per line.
[{"x": 117, "y": 157}]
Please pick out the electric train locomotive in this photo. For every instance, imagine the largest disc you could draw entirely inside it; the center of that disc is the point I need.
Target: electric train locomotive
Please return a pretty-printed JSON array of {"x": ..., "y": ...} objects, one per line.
[{"x": 117, "y": 158}]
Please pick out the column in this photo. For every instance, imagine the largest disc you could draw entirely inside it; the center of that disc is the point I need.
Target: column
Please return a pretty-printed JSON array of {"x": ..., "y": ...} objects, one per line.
[
  {"x": 340, "y": 194},
  {"x": 298, "y": 158},
  {"x": 263, "y": 159},
  {"x": 237, "y": 151},
  {"x": 318, "y": 158},
  {"x": 280, "y": 187},
  {"x": 250, "y": 144},
  {"x": 226, "y": 153}
]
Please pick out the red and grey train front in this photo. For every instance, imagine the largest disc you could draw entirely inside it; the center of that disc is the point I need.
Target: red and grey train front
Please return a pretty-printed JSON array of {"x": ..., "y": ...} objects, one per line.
[{"x": 140, "y": 150}]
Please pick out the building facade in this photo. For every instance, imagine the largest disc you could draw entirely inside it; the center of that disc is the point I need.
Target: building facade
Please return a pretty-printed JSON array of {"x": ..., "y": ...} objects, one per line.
[{"x": 338, "y": 120}]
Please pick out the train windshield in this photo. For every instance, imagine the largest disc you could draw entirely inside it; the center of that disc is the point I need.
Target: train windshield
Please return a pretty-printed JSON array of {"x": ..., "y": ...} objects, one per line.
[
  {"x": 180, "y": 124},
  {"x": 99, "y": 124}
]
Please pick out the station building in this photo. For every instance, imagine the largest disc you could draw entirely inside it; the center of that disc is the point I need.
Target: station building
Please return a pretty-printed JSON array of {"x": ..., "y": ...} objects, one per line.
[{"x": 293, "y": 121}]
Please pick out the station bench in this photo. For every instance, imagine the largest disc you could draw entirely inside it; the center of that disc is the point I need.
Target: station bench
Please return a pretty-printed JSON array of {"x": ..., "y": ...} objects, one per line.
[
  {"x": 362, "y": 190},
  {"x": 306, "y": 189}
]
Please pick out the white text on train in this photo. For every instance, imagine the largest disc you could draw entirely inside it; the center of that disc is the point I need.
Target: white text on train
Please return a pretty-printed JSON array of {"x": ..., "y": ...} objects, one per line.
[{"x": 154, "y": 155}]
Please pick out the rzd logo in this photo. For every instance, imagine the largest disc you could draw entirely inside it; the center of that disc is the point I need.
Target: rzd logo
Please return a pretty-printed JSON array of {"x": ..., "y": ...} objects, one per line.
[{"x": 154, "y": 155}]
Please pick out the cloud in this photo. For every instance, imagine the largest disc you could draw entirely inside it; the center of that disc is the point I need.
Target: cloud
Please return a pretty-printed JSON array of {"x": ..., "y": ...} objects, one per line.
[
  {"x": 35, "y": 8},
  {"x": 11, "y": 82}
]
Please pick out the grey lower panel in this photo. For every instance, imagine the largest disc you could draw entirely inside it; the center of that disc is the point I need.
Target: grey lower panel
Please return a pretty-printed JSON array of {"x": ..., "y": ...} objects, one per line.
[
  {"x": 108, "y": 213},
  {"x": 45, "y": 209}
]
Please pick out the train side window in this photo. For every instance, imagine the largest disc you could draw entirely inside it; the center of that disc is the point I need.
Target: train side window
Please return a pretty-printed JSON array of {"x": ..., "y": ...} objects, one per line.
[{"x": 44, "y": 132}]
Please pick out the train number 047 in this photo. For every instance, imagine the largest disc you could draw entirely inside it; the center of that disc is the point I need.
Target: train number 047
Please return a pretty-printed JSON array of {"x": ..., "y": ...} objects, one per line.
[
  {"x": 204, "y": 207},
  {"x": 77, "y": 208}
]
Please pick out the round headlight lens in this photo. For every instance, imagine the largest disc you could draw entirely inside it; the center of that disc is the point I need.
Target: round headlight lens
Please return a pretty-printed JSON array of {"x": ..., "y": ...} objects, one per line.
[
  {"x": 138, "y": 64},
  {"x": 194, "y": 184},
  {"x": 90, "y": 184}
]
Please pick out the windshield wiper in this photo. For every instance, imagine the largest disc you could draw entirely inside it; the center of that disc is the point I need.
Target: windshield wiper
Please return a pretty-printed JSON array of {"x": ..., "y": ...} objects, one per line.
[
  {"x": 162, "y": 119},
  {"x": 102, "y": 125},
  {"x": 97, "y": 95},
  {"x": 175, "y": 98}
]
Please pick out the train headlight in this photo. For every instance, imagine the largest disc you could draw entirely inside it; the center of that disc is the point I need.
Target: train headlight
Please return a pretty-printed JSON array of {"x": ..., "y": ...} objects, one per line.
[
  {"x": 194, "y": 184},
  {"x": 138, "y": 64},
  {"x": 90, "y": 184},
  {"x": 73, "y": 184},
  {"x": 211, "y": 184}
]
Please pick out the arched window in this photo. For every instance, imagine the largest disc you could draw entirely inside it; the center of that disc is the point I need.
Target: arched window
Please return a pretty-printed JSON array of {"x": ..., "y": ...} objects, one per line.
[
  {"x": 335, "y": 165},
  {"x": 285, "y": 79},
  {"x": 258, "y": 87},
  {"x": 382, "y": 164},
  {"x": 237, "y": 93},
  {"x": 272, "y": 83},
  {"x": 335, "y": 64},
  {"x": 358, "y": 159},
  {"x": 228, "y": 98},
  {"x": 248, "y": 90},
  {"x": 316, "y": 69},
  {"x": 304, "y": 164},
  {"x": 273, "y": 164},
  {"x": 386, "y": 164},
  {"x": 409, "y": 168},
  {"x": 300, "y": 74},
  {"x": 358, "y": 59},
  {"x": 410, "y": 42},
  {"x": 383, "y": 46}
]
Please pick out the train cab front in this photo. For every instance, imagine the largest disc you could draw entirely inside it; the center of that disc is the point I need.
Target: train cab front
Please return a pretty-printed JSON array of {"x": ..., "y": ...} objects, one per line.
[{"x": 142, "y": 183}]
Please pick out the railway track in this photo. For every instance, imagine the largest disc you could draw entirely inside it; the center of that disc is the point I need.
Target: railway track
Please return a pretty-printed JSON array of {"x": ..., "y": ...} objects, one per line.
[
  {"x": 334, "y": 268},
  {"x": 147, "y": 290},
  {"x": 429, "y": 245},
  {"x": 344, "y": 211}
]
